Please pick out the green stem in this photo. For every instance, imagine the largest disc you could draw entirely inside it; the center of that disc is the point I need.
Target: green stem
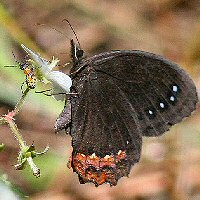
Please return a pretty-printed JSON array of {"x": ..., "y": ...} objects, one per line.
[
  {"x": 9, "y": 119},
  {"x": 18, "y": 107},
  {"x": 17, "y": 134}
]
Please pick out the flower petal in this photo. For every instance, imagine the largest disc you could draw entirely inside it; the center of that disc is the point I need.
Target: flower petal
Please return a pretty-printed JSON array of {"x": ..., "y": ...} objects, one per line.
[{"x": 60, "y": 81}]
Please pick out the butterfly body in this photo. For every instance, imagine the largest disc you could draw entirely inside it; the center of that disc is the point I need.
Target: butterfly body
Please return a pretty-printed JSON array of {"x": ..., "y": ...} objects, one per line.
[{"x": 121, "y": 96}]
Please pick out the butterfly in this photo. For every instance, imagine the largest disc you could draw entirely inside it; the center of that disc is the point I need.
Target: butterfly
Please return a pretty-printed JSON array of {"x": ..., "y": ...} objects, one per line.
[{"x": 118, "y": 98}]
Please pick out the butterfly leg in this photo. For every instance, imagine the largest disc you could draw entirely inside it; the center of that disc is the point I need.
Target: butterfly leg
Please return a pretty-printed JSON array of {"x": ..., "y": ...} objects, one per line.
[
  {"x": 45, "y": 92},
  {"x": 22, "y": 91},
  {"x": 51, "y": 94}
]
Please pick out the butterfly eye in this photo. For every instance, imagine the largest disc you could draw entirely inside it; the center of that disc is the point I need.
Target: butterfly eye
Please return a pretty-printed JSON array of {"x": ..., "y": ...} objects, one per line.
[{"x": 79, "y": 53}]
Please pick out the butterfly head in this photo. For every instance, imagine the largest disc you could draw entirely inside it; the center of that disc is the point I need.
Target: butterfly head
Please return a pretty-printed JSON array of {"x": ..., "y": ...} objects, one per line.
[{"x": 77, "y": 54}]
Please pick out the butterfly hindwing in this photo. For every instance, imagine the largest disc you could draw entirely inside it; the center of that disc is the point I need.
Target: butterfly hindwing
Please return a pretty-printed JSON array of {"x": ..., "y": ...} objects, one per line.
[{"x": 103, "y": 126}]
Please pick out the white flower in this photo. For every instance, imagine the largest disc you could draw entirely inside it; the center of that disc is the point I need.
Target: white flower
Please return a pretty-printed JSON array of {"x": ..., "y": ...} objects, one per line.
[{"x": 60, "y": 81}]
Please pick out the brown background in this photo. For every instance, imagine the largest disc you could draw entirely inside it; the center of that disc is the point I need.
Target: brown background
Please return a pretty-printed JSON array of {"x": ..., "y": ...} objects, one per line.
[{"x": 169, "y": 168}]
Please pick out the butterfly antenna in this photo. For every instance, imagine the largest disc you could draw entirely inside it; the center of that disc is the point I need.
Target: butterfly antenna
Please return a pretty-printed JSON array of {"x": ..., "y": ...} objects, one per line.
[
  {"x": 72, "y": 31},
  {"x": 53, "y": 29}
]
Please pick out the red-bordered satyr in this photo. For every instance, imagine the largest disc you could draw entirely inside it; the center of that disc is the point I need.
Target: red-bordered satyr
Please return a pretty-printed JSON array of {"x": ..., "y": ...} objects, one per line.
[{"x": 120, "y": 97}]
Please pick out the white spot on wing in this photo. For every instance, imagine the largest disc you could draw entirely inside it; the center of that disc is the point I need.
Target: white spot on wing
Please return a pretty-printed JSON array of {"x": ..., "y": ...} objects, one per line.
[
  {"x": 175, "y": 88},
  {"x": 162, "y": 105},
  {"x": 150, "y": 112},
  {"x": 93, "y": 155},
  {"x": 119, "y": 152},
  {"x": 106, "y": 157},
  {"x": 172, "y": 98}
]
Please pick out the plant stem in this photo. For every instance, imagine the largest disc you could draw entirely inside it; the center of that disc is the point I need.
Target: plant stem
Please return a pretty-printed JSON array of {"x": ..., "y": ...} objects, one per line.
[
  {"x": 9, "y": 118},
  {"x": 21, "y": 102},
  {"x": 17, "y": 134}
]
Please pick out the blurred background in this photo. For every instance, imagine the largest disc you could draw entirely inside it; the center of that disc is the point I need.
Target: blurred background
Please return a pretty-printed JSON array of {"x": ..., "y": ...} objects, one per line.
[{"x": 169, "y": 168}]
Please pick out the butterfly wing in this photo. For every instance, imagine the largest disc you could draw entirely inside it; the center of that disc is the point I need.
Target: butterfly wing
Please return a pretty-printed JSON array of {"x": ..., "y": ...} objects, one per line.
[
  {"x": 122, "y": 96},
  {"x": 102, "y": 133},
  {"x": 161, "y": 92}
]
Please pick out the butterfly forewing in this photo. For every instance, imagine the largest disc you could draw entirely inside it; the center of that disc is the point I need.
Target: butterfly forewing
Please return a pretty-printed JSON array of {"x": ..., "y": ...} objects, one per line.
[{"x": 161, "y": 93}]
